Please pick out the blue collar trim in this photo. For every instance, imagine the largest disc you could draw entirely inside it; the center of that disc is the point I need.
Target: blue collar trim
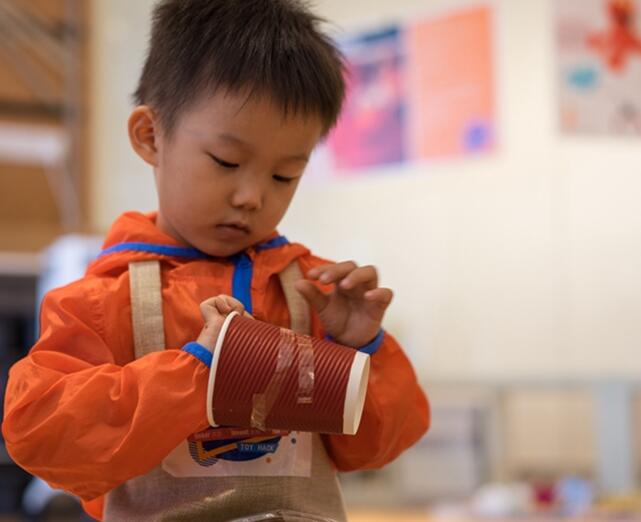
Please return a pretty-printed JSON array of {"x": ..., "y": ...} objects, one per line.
[
  {"x": 165, "y": 250},
  {"x": 188, "y": 252}
]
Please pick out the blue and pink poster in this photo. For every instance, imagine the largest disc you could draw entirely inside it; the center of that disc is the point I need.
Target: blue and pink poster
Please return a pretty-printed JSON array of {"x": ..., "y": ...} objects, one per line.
[{"x": 371, "y": 129}]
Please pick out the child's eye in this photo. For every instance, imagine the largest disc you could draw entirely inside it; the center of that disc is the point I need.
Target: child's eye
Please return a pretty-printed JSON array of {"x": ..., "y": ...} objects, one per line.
[
  {"x": 282, "y": 179},
  {"x": 223, "y": 163}
]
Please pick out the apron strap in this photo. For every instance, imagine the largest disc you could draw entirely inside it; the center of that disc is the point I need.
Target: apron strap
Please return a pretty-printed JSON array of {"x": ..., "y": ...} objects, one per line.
[
  {"x": 146, "y": 307},
  {"x": 146, "y": 304},
  {"x": 297, "y": 305}
]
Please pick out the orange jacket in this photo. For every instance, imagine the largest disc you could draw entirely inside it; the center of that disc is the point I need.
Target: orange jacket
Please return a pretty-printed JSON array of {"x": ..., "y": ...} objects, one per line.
[{"x": 79, "y": 409}]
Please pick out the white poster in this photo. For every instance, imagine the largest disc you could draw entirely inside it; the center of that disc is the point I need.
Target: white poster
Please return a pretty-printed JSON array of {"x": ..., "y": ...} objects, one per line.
[{"x": 599, "y": 61}]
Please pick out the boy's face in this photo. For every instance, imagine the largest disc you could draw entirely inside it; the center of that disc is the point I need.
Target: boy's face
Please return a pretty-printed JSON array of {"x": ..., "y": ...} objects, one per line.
[{"x": 228, "y": 172}]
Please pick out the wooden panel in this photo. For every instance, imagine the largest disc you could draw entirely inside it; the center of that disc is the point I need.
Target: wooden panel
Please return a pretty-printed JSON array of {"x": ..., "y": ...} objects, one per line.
[
  {"x": 50, "y": 10},
  {"x": 32, "y": 68},
  {"x": 29, "y": 217},
  {"x": 11, "y": 86},
  {"x": 549, "y": 432},
  {"x": 27, "y": 237},
  {"x": 25, "y": 195},
  {"x": 56, "y": 55}
]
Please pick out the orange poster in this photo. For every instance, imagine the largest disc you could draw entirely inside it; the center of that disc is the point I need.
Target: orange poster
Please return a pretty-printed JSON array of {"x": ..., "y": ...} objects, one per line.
[{"x": 451, "y": 84}]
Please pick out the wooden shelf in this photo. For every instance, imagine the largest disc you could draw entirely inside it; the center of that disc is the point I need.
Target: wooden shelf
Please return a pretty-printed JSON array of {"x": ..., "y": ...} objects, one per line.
[{"x": 19, "y": 264}]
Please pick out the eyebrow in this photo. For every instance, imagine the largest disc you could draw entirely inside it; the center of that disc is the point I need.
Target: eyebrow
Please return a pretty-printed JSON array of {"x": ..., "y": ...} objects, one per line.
[{"x": 237, "y": 141}]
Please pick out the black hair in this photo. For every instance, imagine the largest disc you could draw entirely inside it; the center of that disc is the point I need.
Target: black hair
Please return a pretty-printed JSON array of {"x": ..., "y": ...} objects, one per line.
[{"x": 264, "y": 47}]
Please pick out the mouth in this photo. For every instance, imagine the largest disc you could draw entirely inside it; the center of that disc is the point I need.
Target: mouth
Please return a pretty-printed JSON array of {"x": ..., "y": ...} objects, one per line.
[{"x": 237, "y": 226}]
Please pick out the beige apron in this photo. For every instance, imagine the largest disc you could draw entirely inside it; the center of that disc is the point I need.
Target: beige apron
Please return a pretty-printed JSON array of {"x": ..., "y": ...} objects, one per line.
[{"x": 303, "y": 486}]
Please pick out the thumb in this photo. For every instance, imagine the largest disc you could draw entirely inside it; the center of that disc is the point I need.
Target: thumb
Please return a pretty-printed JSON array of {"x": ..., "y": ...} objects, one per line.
[{"x": 315, "y": 297}]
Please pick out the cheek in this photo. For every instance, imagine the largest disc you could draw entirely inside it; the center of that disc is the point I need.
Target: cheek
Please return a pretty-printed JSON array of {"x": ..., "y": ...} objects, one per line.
[
  {"x": 204, "y": 199},
  {"x": 281, "y": 202},
  {"x": 185, "y": 179}
]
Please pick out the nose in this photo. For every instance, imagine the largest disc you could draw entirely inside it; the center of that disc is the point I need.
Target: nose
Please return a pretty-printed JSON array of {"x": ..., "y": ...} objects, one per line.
[{"x": 247, "y": 194}]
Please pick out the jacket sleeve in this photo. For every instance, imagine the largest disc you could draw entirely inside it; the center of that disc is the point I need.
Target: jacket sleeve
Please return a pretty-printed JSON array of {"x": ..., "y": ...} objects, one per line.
[
  {"x": 395, "y": 416},
  {"x": 86, "y": 424},
  {"x": 396, "y": 412}
]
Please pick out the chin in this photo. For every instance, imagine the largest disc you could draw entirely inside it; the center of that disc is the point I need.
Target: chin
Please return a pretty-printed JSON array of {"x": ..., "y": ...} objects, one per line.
[{"x": 221, "y": 250}]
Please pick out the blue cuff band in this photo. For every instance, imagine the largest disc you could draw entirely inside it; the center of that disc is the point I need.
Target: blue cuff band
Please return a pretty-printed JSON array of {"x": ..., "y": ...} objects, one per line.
[
  {"x": 373, "y": 347},
  {"x": 370, "y": 348},
  {"x": 200, "y": 352}
]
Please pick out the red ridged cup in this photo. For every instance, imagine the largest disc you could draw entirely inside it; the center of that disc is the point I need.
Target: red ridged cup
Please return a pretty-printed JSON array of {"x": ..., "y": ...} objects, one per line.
[{"x": 265, "y": 376}]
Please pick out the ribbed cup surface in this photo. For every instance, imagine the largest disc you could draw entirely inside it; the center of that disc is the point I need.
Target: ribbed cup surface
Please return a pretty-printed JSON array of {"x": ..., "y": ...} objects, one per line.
[{"x": 248, "y": 361}]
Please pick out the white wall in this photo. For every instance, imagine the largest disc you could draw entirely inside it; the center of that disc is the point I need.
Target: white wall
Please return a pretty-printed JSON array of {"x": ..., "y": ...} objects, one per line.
[{"x": 526, "y": 263}]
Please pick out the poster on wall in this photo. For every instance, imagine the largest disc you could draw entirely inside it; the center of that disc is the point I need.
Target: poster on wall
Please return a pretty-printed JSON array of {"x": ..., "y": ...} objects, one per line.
[
  {"x": 371, "y": 128},
  {"x": 450, "y": 65},
  {"x": 599, "y": 66}
]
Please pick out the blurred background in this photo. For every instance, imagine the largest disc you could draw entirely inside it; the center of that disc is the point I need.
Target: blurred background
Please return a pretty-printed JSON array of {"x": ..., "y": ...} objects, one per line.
[{"x": 488, "y": 161}]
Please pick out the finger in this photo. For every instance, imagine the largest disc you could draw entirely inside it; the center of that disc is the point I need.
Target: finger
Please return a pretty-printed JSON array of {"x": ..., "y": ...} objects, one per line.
[
  {"x": 365, "y": 276},
  {"x": 332, "y": 273},
  {"x": 317, "y": 299},
  {"x": 221, "y": 305},
  {"x": 314, "y": 273},
  {"x": 380, "y": 296},
  {"x": 208, "y": 308},
  {"x": 227, "y": 304},
  {"x": 208, "y": 302}
]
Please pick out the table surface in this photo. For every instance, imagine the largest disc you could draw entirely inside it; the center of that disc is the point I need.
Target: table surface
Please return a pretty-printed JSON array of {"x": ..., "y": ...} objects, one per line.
[{"x": 424, "y": 516}]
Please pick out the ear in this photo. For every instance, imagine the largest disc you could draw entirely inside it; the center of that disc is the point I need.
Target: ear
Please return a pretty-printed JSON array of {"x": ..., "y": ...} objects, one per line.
[{"x": 144, "y": 132}]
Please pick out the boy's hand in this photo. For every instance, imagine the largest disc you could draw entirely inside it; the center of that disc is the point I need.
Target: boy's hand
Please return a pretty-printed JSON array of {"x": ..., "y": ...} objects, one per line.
[
  {"x": 214, "y": 310},
  {"x": 352, "y": 312}
]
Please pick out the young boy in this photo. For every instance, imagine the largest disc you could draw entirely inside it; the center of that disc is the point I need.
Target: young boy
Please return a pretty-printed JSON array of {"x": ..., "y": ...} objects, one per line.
[{"x": 233, "y": 97}]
